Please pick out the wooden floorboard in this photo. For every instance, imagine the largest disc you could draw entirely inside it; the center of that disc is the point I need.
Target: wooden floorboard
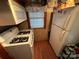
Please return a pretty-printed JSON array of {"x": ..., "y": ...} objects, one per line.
[{"x": 43, "y": 50}]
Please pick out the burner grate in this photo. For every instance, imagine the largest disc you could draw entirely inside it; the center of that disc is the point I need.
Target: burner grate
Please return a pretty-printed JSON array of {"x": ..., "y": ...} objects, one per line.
[
  {"x": 19, "y": 40},
  {"x": 24, "y": 32}
]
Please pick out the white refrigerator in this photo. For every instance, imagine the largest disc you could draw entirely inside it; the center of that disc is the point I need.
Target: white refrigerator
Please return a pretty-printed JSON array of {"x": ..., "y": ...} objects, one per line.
[{"x": 65, "y": 29}]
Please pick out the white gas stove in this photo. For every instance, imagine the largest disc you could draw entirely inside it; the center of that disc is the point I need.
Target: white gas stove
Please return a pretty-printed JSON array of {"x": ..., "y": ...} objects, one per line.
[{"x": 19, "y": 44}]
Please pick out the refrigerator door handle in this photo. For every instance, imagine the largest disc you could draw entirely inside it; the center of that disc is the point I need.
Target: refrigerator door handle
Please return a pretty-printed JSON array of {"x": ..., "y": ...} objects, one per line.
[
  {"x": 59, "y": 26},
  {"x": 62, "y": 28},
  {"x": 62, "y": 35},
  {"x": 67, "y": 21}
]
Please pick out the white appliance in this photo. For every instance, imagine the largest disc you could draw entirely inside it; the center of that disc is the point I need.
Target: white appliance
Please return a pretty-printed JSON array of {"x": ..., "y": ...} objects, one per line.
[
  {"x": 15, "y": 44},
  {"x": 65, "y": 29}
]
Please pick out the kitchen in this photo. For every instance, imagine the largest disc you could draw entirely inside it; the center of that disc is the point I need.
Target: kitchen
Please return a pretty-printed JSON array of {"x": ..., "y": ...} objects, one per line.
[{"x": 33, "y": 29}]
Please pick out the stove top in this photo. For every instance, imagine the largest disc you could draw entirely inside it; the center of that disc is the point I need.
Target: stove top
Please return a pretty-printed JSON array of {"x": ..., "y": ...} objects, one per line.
[
  {"x": 19, "y": 39},
  {"x": 24, "y": 32}
]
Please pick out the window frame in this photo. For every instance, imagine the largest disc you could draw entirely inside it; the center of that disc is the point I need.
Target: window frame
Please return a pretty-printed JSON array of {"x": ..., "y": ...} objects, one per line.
[{"x": 29, "y": 25}]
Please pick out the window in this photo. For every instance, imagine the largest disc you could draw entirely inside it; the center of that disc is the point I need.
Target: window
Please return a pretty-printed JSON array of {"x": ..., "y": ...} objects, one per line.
[
  {"x": 37, "y": 23},
  {"x": 36, "y": 19}
]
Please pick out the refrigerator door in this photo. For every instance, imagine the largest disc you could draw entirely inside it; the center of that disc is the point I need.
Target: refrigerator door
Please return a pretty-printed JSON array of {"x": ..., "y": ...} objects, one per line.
[
  {"x": 73, "y": 36},
  {"x": 56, "y": 39},
  {"x": 74, "y": 16},
  {"x": 61, "y": 19},
  {"x": 59, "y": 37}
]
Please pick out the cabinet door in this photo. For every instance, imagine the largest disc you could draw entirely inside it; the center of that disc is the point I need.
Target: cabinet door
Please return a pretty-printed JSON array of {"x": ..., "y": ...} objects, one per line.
[
  {"x": 3, "y": 53},
  {"x": 56, "y": 39}
]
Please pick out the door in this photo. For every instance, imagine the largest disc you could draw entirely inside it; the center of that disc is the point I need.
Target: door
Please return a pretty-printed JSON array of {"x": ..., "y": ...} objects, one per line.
[
  {"x": 62, "y": 19},
  {"x": 56, "y": 39}
]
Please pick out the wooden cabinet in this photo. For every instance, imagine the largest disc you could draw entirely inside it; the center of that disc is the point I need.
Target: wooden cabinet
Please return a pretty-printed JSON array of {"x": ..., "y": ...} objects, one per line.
[{"x": 4, "y": 54}]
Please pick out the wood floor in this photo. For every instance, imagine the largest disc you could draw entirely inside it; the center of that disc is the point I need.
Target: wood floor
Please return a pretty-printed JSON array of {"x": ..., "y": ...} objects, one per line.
[{"x": 43, "y": 50}]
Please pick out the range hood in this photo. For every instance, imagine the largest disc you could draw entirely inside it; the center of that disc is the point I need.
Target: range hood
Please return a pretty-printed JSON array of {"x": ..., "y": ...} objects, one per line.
[{"x": 11, "y": 13}]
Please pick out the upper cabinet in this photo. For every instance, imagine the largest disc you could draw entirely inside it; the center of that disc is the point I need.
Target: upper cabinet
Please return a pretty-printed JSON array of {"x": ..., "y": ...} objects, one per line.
[
  {"x": 76, "y": 1},
  {"x": 52, "y": 3},
  {"x": 66, "y": 4},
  {"x": 11, "y": 13}
]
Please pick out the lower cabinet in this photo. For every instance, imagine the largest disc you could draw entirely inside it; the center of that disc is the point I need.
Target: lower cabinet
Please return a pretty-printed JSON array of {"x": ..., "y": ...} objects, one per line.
[{"x": 3, "y": 53}]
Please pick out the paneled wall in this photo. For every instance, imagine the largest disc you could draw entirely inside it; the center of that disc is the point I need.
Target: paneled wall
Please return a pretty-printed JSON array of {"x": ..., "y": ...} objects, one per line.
[
  {"x": 42, "y": 34},
  {"x": 23, "y": 25}
]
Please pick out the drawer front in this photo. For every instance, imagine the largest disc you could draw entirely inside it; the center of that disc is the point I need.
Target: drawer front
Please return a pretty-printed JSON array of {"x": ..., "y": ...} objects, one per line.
[{"x": 36, "y": 14}]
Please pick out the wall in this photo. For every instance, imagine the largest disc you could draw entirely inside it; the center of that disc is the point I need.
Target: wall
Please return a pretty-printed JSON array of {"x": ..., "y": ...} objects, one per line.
[
  {"x": 42, "y": 34},
  {"x": 6, "y": 17},
  {"x": 4, "y": 28},
  {"x": 23, "y": 25}
]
